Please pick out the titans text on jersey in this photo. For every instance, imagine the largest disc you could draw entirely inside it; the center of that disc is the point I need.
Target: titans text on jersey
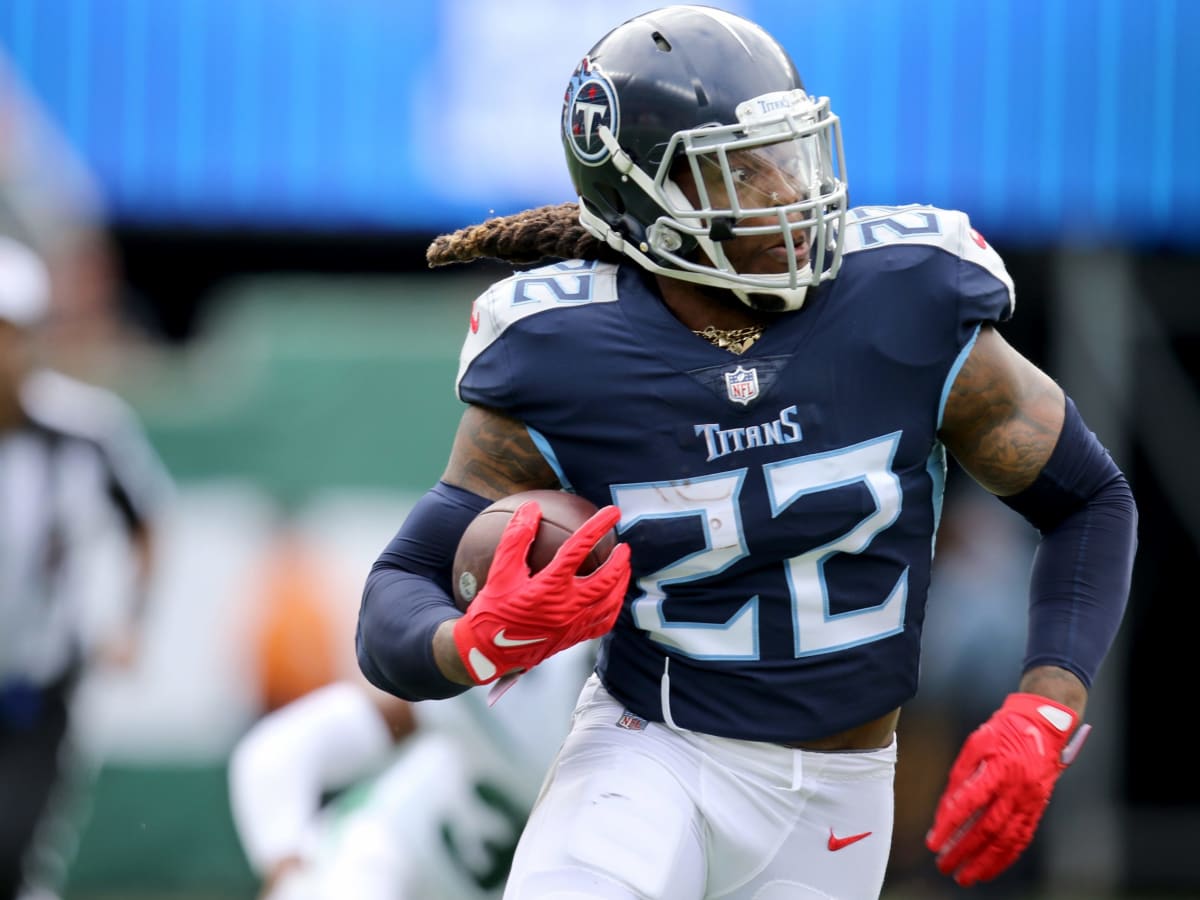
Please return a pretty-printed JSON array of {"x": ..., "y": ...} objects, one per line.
[{"x": 783, "y": 429}]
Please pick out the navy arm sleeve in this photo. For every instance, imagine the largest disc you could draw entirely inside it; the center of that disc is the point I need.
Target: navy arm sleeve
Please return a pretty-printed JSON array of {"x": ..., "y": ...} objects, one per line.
[
  {"x": 407, "y": 596},
  {"x": 1085, "y": 511}
]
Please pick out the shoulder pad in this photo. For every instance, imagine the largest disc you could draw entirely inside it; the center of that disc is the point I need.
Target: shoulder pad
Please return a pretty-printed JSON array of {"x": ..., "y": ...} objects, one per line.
[
  {"x": 868, "y": 227},
  {"x": 556, "y": 286},
  {"x": 875, "y": 226}
]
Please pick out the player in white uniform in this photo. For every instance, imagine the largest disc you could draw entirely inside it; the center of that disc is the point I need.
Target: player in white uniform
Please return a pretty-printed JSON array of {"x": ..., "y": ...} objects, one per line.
[{"x": 431, "y": 815}]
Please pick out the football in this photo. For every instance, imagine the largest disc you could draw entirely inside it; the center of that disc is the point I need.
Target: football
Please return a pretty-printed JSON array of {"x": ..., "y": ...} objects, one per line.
[{"x": 562, "y": 513}]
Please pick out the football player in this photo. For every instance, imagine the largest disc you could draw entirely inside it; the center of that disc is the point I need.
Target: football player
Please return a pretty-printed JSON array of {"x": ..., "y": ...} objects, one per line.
[
  {"x": 759, "y": 385},
  {"x": 348, "y": 792}
]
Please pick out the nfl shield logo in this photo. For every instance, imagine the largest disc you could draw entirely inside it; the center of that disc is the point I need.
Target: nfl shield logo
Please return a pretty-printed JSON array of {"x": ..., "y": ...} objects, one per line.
[
  {"x": 631, "y": 722},
  {"x": 742, "y": 385}
]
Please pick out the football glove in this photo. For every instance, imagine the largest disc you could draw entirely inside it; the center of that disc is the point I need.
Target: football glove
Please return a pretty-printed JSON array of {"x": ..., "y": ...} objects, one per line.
[
  {"x": 519, "y": 619},
  {"x": 999, "y": 786}
]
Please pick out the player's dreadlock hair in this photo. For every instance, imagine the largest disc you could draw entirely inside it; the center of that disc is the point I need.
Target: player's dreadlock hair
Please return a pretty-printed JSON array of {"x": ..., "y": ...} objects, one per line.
[{"x": 547, "y": 232}]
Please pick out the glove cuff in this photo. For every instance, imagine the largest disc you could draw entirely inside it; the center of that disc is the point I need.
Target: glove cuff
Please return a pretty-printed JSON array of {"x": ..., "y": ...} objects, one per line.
[
  {"x": 1058, "y": 722},
  {"x": 480, "y": 667},
  {"x": 1061, "y": 719}
]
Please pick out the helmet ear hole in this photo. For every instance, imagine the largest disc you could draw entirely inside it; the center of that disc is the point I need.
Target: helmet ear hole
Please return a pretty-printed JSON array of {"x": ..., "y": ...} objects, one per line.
[
  {"x": 616, "y": 215},
  {"x": 611, "y": 210},
  {"x": 612, "y": 199}
]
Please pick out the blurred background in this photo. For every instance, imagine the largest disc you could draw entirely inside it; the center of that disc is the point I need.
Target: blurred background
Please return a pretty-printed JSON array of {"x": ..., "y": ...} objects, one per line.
[{"x": 235, "y": 199}]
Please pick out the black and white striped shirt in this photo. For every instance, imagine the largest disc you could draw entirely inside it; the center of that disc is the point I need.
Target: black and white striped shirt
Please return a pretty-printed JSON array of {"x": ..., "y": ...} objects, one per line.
[{"x": 77, "y": 480}]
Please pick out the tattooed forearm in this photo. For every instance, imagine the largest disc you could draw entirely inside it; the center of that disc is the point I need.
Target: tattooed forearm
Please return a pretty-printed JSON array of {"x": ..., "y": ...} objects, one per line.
[
  {"x": 493, "y": 456},
  {"x": 1002, "y": 416}
]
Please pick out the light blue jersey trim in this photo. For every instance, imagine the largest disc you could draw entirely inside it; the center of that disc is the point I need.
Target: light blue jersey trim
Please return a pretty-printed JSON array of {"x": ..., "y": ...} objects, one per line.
[
  {"x": 561, "y": 285},
  {"x": 547, "y": 452},
  {"x": 959, "y": 362},
  {"x": 936, "y": 467}
]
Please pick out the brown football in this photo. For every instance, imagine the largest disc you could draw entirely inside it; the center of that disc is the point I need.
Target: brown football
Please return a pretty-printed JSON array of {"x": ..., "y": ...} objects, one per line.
[{"x": 562, "y": 514}]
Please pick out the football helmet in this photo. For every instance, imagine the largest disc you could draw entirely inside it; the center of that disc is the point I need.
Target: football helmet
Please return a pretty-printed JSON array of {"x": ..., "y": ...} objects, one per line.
[{"x": 698, "y": 95}]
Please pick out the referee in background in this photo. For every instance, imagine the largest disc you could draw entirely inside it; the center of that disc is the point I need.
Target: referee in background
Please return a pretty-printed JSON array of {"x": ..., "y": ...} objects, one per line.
[{"x": 77, "y": 476}]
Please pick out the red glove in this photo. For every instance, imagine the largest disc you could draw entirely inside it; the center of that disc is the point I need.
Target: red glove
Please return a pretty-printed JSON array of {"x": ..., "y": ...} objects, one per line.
[
  {"x": 519, "y": 619},
  {"x": 1000, "y": 785}
]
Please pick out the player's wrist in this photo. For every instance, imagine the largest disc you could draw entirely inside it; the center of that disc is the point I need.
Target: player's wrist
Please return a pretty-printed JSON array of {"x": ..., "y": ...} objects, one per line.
[
  {"x": 448, "y": 655},
  {"x": 478, "y": 666},
  {"x": 1057, "y": 684}
]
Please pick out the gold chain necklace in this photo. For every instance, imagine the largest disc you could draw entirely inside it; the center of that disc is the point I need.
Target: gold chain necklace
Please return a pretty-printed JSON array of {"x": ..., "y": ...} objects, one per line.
[{"x": 735, "y": 340}]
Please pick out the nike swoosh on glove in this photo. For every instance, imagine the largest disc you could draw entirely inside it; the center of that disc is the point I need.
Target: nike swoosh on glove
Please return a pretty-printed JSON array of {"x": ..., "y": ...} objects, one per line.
[
  {"x": 519, "y": 619},
  {"x": 999, "y": 786}
]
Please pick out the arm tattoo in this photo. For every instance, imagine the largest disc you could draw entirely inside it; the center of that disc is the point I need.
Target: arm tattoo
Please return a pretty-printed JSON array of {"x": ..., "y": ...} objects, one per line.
[
  {"x": 1003, "y": 416},
  {"x": 494, "y": 456}
]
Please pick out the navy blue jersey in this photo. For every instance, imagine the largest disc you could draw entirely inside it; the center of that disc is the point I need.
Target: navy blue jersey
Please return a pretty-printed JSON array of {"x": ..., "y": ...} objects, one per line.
[{"x": 781, "y": 505}]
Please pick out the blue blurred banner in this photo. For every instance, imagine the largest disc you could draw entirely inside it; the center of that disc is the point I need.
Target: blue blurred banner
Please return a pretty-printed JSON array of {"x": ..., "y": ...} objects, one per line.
[{"x": 1062, "y": 121}]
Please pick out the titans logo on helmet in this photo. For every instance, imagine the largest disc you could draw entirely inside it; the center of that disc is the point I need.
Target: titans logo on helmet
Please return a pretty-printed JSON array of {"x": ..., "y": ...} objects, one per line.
[{"x": 590, "y": 102}]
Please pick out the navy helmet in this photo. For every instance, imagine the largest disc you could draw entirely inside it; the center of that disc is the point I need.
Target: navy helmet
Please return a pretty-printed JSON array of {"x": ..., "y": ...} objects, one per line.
[{"x": 698, "y": 87}]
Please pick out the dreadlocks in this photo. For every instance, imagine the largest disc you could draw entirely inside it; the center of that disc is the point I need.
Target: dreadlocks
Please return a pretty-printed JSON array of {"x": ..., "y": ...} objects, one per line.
[{"x": 548, "y": 232}]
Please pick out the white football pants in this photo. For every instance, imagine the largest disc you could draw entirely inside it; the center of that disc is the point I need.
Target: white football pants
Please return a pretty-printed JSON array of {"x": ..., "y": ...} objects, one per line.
[{"x": 632, "y": 809}]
